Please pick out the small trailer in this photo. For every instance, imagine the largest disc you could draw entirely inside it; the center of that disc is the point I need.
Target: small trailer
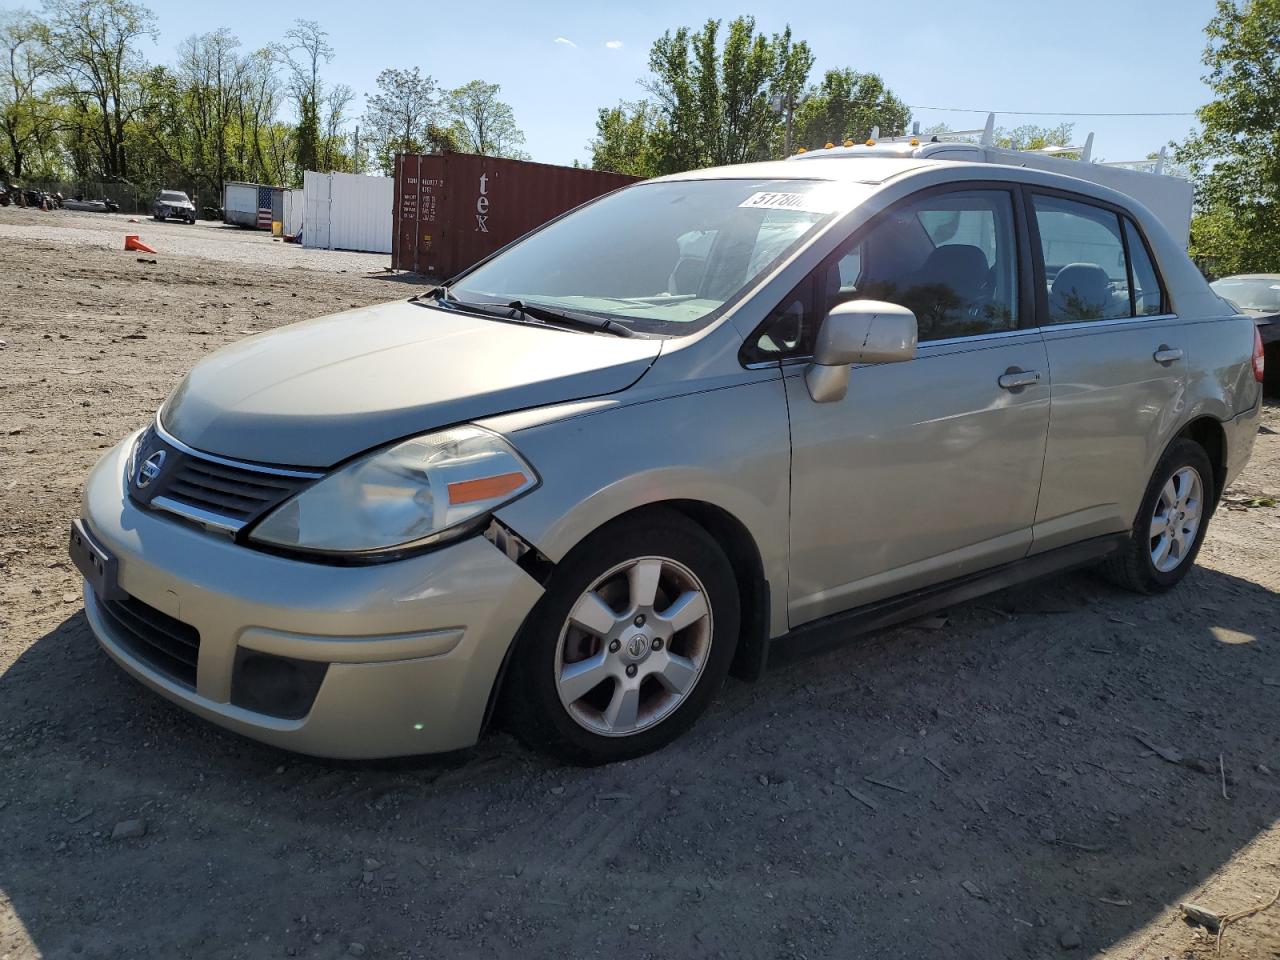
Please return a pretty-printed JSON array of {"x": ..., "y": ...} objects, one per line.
[
  {"x": 247, "y": 204},
  {"x": 1168, "y": 197}
]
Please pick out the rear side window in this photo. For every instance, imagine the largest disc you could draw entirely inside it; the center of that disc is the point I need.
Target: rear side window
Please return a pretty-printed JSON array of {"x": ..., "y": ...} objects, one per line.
[
  {"x": 1148, "y": 297},
  {"x": 1084, "y": 261}
]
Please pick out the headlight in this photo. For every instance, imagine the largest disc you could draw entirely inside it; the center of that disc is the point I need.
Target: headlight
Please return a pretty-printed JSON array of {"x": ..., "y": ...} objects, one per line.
[{"x": 418, "y": 492}]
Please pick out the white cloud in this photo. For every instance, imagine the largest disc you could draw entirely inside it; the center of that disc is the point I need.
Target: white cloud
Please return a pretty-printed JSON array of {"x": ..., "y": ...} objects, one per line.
[
  {"x": 613, "y": 44},
  {"x": 566, "y": 41}
]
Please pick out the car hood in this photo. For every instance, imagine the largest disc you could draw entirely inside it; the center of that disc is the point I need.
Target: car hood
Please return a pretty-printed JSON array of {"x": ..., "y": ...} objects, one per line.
[
  {"x": 315, "y": 393},
  {"x": 176, "y": 203}
]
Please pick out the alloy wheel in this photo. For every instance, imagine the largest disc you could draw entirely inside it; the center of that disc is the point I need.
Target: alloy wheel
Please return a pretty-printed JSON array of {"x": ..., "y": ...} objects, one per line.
[
  {"x": 1176, "y": 519},
  {"x": 633, "y": 646}
]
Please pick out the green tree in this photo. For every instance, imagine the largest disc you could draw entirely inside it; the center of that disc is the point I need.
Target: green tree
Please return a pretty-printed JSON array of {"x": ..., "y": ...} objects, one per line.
[
  {"x": 624, "y": 140},
  {"x": 403, "y": 117},
  {"x": 846, "y": 105},
  {"x": 306, "y": 147},
  {"x": 714, "y": 98},
  {"x": 482, "y": 123},
  {"x": 1235, "y": 158},
  {"x": 93, "y": 46},
  {"x": 23, "y": 111},
  {"x": 1031, "y": 137}
]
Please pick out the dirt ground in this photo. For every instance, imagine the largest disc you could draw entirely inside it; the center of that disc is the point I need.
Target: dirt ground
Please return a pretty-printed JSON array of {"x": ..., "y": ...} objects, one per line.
[{"x": 984, "y": 788}]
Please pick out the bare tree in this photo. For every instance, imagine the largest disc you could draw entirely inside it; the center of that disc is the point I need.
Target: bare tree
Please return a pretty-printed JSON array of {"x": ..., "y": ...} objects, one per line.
[
  {"x": 336, "y": 102},
  {"x": 306, "y": 46}
]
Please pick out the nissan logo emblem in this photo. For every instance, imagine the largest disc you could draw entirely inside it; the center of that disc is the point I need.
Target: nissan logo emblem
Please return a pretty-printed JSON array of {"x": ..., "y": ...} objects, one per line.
[{"x": 149, "y": 469}]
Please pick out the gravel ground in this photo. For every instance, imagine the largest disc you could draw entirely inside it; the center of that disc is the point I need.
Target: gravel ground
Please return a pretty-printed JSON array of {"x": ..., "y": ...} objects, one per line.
[
  {"x": 171, "y": 238},
  {"x": 982, "y": 787}
]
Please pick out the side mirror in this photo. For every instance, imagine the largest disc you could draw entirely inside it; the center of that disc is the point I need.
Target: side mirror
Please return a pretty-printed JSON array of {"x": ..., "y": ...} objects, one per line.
[{"x": 859, "y": 331}]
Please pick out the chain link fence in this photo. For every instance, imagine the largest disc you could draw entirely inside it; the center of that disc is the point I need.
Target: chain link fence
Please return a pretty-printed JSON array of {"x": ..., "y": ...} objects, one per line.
[{"x": 131, "y": 198}]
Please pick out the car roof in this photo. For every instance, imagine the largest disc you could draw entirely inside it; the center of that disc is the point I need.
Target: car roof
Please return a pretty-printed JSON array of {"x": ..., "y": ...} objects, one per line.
[
  {"x": 878, "y": 170},
  {"x": 848, "y": 169},
  {"x": 1250, "y": 276}
]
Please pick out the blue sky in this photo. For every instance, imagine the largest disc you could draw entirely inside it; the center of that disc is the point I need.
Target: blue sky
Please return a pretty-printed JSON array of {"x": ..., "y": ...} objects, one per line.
[{"x": 1081, "y": 56}]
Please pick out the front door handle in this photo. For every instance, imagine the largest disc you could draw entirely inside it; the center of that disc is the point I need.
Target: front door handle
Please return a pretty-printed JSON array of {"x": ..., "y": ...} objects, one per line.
[
  {"x": 1016, "y": 379},
  {"x": 1166, "y": 354}
]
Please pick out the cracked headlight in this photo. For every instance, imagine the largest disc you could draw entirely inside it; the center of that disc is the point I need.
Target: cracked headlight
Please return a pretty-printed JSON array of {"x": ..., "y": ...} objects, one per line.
[{"x": 418, "y": 492}]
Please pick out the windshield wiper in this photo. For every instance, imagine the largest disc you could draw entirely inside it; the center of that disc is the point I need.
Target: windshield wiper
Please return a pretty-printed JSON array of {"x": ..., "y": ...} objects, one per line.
[
  {"x": 580, "y": 320},
  {"x": 520, "y": 312}
]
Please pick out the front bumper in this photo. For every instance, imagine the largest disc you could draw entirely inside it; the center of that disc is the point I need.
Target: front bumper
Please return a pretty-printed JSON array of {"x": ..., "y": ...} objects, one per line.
[{"x": 413, "y": 646}]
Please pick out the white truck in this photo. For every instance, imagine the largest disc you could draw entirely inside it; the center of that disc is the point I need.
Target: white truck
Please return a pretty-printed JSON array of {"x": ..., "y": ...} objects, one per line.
[{"x": 1168, "y": 197}]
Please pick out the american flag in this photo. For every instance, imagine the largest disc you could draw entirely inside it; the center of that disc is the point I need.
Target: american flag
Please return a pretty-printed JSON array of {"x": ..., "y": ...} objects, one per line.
[{"x": 264, "y": 208}]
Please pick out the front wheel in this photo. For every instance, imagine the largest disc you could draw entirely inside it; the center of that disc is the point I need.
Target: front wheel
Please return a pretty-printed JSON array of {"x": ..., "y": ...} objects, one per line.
[
  {"x": 628, "y": 645},
  {"x": 1171, "y": 522}
]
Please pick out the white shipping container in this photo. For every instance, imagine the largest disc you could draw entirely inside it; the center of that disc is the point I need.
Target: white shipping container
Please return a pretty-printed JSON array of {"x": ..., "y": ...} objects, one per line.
[
  {"x": 240, "y": 204},
  {"x": 294, "y": 206},
  {"x": 347, "y": 211}
]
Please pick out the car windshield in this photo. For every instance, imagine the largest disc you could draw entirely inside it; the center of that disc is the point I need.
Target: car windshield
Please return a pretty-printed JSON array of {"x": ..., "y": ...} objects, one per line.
[
  {"x": 664, "y": 257},
  {"x": 1254, "y": 293},
  {"x": 173, "y": 195}
]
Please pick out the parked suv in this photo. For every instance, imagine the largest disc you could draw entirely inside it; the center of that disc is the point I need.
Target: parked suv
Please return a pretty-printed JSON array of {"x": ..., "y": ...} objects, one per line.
[
  {"x": 174, "y": 204},
  {"x": 689, "y": 422}
]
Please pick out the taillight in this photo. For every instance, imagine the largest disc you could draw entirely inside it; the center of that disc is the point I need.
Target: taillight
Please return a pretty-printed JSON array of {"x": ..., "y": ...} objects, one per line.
[{"x": 1258, "y": 358}]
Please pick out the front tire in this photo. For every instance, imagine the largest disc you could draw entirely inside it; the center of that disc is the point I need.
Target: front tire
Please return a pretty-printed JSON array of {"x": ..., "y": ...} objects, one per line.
[
  {"x": 630, "y": 642},
  {"x": 1171, "y": 522}
]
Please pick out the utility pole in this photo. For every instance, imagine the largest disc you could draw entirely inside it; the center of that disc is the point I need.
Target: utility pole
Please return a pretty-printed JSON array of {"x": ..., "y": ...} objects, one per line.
[
  {"x": 791, "y": 107},
  {"x": 785, "y": 104},
  {"x": 355, "y": 152}
]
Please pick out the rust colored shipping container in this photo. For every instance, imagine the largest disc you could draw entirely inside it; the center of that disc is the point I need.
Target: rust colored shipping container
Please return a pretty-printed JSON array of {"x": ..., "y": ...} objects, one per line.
[{"x": 452, "y": 210}]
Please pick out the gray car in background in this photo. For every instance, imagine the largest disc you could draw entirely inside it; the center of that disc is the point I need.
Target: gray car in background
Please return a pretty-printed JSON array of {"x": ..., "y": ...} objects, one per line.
[
  {"x": 174, "y": 204},
  {"x": 696, "y": 420},
  {"x": 1258, "y": 295}
]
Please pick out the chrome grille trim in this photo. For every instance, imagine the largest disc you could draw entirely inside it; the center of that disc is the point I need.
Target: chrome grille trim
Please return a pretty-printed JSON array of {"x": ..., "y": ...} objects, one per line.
[
  {"x": 217, "y": 493},
  {"x": 174, "y": 442}
]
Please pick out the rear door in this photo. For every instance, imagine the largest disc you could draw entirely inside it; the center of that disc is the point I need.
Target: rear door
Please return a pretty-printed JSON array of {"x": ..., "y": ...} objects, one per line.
[
  {"x": 928, "y": 469},
  {"x": 1118, "y": 360}
]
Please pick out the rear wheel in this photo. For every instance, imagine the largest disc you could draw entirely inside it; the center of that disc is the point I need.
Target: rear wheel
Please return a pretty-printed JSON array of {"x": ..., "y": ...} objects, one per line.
[
  {"x": 632, "y": 639},
  {"x": 1171, "y": 522}
]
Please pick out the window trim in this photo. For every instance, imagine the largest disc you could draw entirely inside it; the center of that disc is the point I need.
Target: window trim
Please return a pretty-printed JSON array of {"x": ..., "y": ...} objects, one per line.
[
  {"x": 1030, "y": 192},
  {"x": 1027, "y": 312},
  {"x": 1165, "y": 306}
]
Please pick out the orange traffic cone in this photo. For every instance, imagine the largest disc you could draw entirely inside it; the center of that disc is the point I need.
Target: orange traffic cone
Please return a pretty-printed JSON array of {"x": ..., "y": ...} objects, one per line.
[{"x": 131, "y": 242}]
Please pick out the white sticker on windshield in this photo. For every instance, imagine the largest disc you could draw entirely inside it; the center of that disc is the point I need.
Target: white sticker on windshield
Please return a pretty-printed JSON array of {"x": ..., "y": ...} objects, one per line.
[{"x": 805, "y": 202}]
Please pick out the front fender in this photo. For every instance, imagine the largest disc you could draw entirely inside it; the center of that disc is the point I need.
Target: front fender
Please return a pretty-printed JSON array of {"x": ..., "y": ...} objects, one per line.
[{"x": 728, "y": 447}]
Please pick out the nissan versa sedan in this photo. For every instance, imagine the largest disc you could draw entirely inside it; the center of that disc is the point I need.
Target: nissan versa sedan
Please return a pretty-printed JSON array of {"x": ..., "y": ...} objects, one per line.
[{"x": 691, "y": 422}]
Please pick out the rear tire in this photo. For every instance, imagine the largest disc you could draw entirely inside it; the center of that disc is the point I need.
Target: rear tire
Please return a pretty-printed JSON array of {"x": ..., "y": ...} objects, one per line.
[
  {"x": 631, "y": 641},
  {"x": 1171, "y": 522}
]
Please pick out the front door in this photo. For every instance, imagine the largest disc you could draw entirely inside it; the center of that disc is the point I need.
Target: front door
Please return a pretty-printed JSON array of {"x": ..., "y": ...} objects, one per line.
[{"x": 928, "y": 469}]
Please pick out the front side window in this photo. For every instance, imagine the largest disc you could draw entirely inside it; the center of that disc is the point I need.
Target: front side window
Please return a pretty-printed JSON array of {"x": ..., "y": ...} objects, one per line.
[
  {"x": 664, "y": 257},
  {"x": 1084, "y": 262},
  {"x": 950, "y": 258}
]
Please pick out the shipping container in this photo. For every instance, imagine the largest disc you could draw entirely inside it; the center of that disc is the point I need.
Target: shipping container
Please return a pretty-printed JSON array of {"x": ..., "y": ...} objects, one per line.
[
  {"x": 292, "y": 205},
  {"x": 247, "y": 204},
  {"x": 453, "y": 210},
  {"x": 347, "y": 211}
]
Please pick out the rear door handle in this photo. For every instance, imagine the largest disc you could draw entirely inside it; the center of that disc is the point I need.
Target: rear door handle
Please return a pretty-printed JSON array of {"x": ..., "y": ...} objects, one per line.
[
  {"x": 1015, "y": 379},
  {"x": 1167, "y": 354}
]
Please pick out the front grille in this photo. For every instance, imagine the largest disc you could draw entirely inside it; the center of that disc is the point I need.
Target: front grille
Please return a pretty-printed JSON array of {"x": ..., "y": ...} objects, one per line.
[
  {"x": 169, "y": 645},
  {"x": 212, "y": 491},
  {"x": 232, "y": 492}
]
